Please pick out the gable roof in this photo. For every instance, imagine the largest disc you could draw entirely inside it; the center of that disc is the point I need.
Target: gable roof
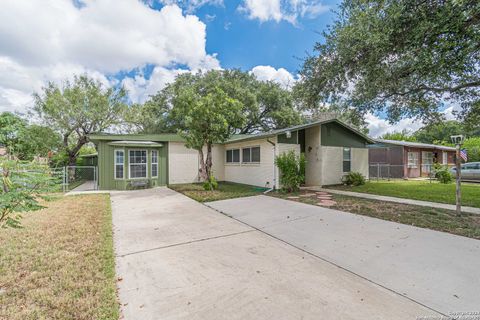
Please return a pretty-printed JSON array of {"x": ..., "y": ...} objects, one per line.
[
  {"x": 173, "y": 137},
  {"x": 414, "y": 144},
  {"x": 300, "y": 127}
]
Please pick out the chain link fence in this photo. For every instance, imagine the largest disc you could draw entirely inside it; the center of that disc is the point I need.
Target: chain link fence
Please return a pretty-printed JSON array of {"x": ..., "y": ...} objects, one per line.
[{"x": 80, "y": 178}]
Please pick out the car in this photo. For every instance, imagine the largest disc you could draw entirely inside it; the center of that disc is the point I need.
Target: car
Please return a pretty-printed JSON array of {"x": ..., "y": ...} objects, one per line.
[{"x": 469, "y": 171}]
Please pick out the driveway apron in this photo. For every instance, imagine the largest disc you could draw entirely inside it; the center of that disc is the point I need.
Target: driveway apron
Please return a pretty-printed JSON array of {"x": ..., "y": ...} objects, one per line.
[
  {"x": 436, "y": 269},
  {"x": 179, "y": 259}
]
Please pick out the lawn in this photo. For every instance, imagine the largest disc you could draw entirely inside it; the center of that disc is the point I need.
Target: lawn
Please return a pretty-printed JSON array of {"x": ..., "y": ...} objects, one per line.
[
  {"x": 467, "y": 225},
  {"x": 419, "y": 190},
  {"x": 60, "y": 265},
  {"x": 226, "y": 190}
]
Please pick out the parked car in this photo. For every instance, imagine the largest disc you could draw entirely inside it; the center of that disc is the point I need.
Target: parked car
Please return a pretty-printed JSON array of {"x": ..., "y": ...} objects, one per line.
[{"x": 470, "y": 171}]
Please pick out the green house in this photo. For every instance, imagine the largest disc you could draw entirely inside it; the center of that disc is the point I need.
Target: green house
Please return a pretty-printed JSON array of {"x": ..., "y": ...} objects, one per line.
[{"x": 331, "y": 147}]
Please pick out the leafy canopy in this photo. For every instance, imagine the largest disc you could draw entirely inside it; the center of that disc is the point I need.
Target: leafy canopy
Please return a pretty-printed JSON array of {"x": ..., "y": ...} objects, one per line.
[
  {"x": 265, "y": 105},
  {"x": 403, "y": 135},
  {"x": 79, "y": 108},
  {"x": 405, "y": 57}
]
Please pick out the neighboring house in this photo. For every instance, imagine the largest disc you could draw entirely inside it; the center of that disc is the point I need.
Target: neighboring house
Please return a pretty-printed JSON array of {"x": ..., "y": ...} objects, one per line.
[
  {"x": 331, "y": 148},
  {"x": 407, "y": 159}
]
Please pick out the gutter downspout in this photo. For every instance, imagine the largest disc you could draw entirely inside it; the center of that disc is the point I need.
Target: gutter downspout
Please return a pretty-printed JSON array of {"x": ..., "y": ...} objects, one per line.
[{"x": 274, "y": 169}]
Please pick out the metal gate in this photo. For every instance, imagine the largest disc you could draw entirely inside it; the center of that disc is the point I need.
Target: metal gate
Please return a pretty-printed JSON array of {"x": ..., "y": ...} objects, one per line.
[{"x": 80, "y": 178}]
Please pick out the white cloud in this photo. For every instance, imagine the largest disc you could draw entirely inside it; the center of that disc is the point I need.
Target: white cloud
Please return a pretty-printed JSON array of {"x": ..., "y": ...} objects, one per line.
[
  {"x": 140, "y": 88},
  {"x": 379, "y": 127},
  {"x": 280, "y": 75},
  {"x": 48, "y": 40},
  {"x": 278, "y": 10},
  {"x": 190, "y": 6}
]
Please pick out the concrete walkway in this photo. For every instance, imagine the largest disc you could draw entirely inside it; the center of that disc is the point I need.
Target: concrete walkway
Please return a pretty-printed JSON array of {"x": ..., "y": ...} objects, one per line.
[
  {"x": 395, "y": 199},
  {"x": 436, "y": 269},
  {"x": 179, "y": 259}
]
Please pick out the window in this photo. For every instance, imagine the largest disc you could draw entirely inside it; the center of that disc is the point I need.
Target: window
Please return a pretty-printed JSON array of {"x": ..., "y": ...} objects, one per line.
[
  {"x": 412, "y": 159},
  {"x": 119, "y": 164},
  {"x": 137, "y": 160},
  {"x": 347, "y": 159},
  {"x": 233, "y": 156},
  {"x": 154, "y": 163},
  {"x": 251, "y": 155},
  {"x": 445, "y": 157},
  {"x": 427, "y": 161}
]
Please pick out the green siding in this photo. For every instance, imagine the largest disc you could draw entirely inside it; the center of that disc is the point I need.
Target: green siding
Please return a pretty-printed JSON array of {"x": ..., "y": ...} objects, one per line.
[
  {"x": 106, "y": 178},
  {"x": 336, "y": 135},
  {"x": 282, "y": 138}
]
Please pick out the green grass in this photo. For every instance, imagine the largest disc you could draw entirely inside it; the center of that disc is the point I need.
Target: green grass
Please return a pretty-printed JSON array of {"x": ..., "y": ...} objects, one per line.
[
  {"x": 467, "y": 225},
  {"x": 419, "y": 190},
  {"x": 61, "y": 264},
  {"x": 226, "y": 190}
]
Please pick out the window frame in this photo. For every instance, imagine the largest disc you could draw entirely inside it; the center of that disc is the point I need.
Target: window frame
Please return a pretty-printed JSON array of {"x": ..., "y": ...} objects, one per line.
[
  {"x": 416, "y": 159},
  {"x": 232, "y": 150},
  {"x": 251, "y": 153},
  {"x": 349, "y": 160},
  {"x": 154, "y": 163},
  {"x": 115, "y": 164},
  {"x": 129, "y": 164}
]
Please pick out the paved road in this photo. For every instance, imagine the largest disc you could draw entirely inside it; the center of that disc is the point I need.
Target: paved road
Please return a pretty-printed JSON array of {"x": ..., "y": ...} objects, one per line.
[
  {"x": 178, "y": 259},
  {"x": 439, "y": 270}
]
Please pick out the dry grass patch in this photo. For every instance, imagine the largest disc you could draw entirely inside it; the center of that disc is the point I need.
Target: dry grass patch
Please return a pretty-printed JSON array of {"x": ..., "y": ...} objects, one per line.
[
  {"x": 61, "y": 264},
  {"x": 467, "y": 225}
]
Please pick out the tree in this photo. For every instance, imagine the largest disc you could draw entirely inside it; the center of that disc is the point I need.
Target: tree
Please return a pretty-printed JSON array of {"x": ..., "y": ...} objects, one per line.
[
  {"x": 79, "y": 108},
  {"x": 11, "y": 126},
  {"x": 21, "y": 185},
  {"x": 439, "y": 132},
  {"x": 473, "y": 148},
  {"x": 204, "y": 113},
  {"x": 405, "y": 57},
  {"x": 403, "y": 135},
  {"x": 265, "y": 105}
]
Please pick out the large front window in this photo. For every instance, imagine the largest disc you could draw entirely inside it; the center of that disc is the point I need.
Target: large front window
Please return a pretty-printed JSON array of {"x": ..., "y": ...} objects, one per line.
[
  {"x": 412, "y": 160},
  {"x": 427, "y": 161},
  {"x": 137, "y": 160},
  {"x": 233, "y": 156}
]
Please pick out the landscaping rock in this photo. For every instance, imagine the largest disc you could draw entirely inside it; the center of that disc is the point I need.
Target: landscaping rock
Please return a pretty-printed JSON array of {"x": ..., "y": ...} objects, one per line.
[
  {"x": 305, "y": 195},
  {"x": 293, "y": 197}
]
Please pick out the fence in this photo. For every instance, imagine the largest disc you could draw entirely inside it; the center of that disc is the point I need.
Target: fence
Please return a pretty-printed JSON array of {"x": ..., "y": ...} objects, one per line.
[
  {"x": 80, "y": 178},
  {"x": 385, "y": 171}
]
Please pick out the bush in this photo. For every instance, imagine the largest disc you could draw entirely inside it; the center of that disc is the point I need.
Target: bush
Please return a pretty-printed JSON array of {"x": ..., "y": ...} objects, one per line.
[
  {"x": 443, "y": 174},
  {"x": 353, "y": 179},
  {"x": 292, "y": 170},
  {"x": 210, "y": 184}
]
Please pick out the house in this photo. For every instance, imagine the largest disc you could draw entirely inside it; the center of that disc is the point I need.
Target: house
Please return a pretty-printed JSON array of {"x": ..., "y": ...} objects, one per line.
[
  {"x": 405, "y": 159},
  {"x": 331, "y": 147}
]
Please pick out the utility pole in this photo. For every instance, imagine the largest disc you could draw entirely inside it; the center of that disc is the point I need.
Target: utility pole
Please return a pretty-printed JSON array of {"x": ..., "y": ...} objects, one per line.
[{"x": 458, "y": 140}]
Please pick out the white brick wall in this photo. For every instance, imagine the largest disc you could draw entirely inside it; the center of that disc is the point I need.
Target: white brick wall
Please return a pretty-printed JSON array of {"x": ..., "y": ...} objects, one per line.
[
  {"x": 253, "y": 174},
  {"x": 360, "y": 161},
  {"x": 183, "y": 163},
  {"x": 332, "y": 165}
]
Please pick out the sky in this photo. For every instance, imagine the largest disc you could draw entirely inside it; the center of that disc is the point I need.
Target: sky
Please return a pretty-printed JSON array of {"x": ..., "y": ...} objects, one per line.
[{"x": 143, "y": 45}]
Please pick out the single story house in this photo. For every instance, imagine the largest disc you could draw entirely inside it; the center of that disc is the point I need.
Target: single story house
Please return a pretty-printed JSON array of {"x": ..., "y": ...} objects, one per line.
[
  {"x": 332, "y": 149},
  {"x": 407, "y": 159}
]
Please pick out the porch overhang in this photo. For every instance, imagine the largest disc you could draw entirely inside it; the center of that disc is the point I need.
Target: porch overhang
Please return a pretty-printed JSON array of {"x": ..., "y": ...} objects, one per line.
[{"x": 136, "y": 144}]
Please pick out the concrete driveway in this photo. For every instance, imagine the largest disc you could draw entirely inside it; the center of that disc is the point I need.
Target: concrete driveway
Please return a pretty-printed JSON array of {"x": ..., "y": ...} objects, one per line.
[
  {"x": 178, "y": 259},
  {"x": 436, "y": 269}
]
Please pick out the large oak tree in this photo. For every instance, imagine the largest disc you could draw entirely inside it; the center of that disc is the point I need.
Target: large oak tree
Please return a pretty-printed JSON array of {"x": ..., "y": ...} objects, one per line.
[{"x": 403, "y": 57}]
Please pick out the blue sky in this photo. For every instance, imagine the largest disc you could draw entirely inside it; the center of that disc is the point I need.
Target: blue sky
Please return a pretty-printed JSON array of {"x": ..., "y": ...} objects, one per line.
[{"x": 145, "y": 44}]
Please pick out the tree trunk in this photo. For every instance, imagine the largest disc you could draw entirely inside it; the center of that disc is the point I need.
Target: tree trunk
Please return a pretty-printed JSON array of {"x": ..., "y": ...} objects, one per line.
[
  {"x": 205, "y": 162},
  {"x": 203, "y": 168}
]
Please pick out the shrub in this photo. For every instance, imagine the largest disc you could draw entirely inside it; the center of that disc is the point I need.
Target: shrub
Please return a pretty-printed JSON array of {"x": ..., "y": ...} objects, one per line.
[
  {"x": 292, "y": 170},
  {"x": 210, "y": 184},
  {"x": 443, "y": 174},
  {"x": 353, "y": 179}
]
